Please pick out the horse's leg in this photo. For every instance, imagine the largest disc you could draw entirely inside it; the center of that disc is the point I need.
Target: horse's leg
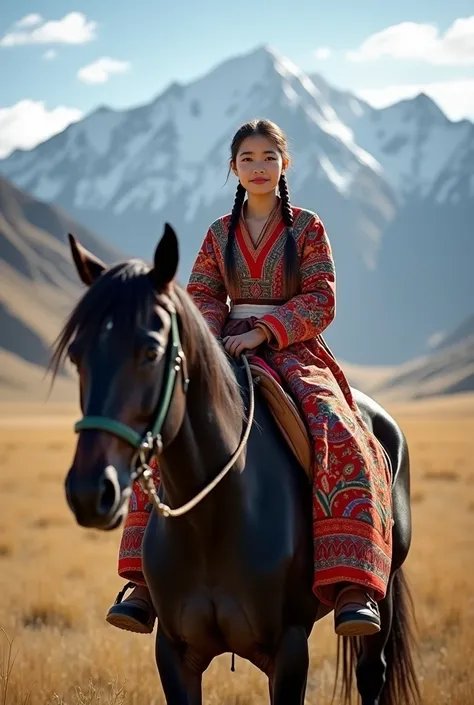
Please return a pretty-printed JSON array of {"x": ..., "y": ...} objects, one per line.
[
  {"x": 371, "y": 667},
  {"x": 182, "y": 683},
  {"x": 386, "y": 669},
  {"x": 290, "y": 672}
]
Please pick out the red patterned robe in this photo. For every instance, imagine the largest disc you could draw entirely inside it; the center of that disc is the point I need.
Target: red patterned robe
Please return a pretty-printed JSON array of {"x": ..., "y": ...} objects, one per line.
[{"x": 351, "y": 482}]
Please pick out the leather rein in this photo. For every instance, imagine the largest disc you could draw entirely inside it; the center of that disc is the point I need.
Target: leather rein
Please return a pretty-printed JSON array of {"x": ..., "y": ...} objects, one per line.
[{"x": 151, "y": 442}]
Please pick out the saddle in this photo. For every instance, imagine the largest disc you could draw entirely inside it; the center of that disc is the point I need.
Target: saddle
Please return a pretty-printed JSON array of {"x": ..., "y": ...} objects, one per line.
[{"x": 284, "y": 411}]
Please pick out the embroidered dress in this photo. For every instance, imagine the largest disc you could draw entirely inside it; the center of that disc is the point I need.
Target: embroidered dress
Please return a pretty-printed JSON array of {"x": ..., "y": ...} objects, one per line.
[{"x": 351, "y": 482}]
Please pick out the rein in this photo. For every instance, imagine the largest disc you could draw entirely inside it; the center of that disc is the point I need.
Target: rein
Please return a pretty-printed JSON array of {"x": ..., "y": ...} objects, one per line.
[{"x": 151, "y": 442}]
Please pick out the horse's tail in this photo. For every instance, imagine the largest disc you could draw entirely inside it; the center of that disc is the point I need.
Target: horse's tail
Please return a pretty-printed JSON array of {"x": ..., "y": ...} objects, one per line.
[{"x": 401, "y": 682}]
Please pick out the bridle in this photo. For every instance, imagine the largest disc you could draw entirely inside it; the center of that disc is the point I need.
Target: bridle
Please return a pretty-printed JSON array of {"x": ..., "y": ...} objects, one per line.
[{"x": 151, "y": 443}]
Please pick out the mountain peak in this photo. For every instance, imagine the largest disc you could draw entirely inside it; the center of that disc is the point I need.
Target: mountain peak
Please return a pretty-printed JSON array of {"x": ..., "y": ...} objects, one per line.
[
  {"x": 174, "y": 90},
  {"x": 283, "y": 65},
  {"x": 102, "y": 110},
  {"x": 265, "y": 49},
  {"x": 258, "y": 63},
  {"x": 423, "y": 102},
  {"x": 421, "y": 107}
]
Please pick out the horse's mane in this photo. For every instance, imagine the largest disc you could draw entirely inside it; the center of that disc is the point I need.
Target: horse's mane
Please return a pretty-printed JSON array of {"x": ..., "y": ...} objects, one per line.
[
  {"x": 201, "y": 347},
  {"x": 125, "y": 293}
]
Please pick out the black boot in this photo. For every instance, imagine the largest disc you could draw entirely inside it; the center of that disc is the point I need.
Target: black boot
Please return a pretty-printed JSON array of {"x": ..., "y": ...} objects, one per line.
[
  {"x": 134, "y": 614},
  {"x": 356, "y": 612}
]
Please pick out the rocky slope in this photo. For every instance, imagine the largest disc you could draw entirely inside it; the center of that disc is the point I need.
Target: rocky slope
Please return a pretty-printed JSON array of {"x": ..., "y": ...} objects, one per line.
[{"x": 39, "y": 286}]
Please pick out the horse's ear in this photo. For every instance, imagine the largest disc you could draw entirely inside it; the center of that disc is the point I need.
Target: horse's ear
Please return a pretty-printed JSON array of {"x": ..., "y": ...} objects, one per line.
[
  {"x": 166, "y": 259},
  {"x": 89, "y": 267}
]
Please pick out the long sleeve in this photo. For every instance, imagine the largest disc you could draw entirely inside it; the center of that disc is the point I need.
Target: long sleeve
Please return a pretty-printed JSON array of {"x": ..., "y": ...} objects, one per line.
[
  {"x": 207, "y": 288},
  {"x": 309, "y": 313}
]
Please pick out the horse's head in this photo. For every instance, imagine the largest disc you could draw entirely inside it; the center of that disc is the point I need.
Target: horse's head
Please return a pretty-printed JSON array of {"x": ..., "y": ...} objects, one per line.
[{"x": 123, "y": 339}]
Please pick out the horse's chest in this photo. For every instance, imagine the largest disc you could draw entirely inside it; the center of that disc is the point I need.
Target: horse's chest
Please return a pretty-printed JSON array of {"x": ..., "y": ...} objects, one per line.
[
  {"x": 219, "y": 616},
  {"x": 216, "y": 622},
  {"x": 225, "y": 599}
]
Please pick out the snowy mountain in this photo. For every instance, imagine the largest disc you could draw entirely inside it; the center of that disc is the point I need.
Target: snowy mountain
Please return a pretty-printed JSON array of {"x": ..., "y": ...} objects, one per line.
[
  {"x": 124, "y": 172},
  {"x": 412, "y": 140},
  {"x": 349, "y": 107},
  {"x": 424, "y": 283},
  {"x": 382, "y": 181}
]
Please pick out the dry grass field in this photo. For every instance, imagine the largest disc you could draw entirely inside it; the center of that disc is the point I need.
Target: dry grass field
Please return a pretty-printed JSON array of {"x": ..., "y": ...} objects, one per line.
[{"x": 57, "y": 580}]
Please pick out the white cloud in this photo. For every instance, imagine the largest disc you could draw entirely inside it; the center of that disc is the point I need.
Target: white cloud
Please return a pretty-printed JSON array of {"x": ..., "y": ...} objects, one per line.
[
  {"x": 50, "y": 54},
  {"x": 74, "y": 28},
  {"x": 101, "y": 70},
  {"x": 455, "y": 98},
  {"x": 421, "y": 42},
  {"x": 29, "y": 122},
  {"x": 323, "y": 53},
  {"x": 29, "y": 20}
]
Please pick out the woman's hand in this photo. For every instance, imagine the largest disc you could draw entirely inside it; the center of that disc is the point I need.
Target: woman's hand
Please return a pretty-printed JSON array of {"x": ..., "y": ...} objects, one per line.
[{"x": 236, "y": 344}]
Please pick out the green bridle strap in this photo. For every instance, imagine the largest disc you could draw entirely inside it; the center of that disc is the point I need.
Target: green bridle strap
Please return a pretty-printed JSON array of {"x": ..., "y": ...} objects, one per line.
[
  {"x": 117, "y": 428},
  {"x": 174, "y": 364},
  {"x": 128, "y": 434}
]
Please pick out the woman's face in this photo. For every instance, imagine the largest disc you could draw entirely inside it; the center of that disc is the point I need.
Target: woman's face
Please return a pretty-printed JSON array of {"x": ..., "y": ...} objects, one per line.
[{"x": 258, "y": 165}]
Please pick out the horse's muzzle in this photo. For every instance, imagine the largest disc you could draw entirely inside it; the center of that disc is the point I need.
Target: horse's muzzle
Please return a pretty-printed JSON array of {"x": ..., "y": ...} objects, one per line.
[{"x": 96, "y": 499}]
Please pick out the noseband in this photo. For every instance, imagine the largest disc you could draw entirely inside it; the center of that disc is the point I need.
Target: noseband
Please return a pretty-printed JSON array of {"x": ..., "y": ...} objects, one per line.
[{"x": 151, "y": 442}]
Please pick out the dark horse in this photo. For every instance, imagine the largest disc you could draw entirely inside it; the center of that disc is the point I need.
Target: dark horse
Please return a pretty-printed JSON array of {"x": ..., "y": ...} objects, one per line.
[{"x": 234, "y": 574}]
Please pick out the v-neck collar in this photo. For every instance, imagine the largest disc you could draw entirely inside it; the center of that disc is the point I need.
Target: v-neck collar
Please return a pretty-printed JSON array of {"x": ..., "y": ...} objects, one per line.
[{"x": 265, "y": 233}]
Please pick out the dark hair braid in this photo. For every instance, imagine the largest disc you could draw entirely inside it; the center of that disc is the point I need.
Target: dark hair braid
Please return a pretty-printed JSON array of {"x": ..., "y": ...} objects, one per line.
[
  {"x": 290, "y": 253},
  {"x": 229, "y": 256}
]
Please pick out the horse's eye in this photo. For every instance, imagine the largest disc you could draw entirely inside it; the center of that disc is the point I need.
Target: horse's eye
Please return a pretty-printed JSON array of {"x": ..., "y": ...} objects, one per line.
[{"x": 151, "y": 354}]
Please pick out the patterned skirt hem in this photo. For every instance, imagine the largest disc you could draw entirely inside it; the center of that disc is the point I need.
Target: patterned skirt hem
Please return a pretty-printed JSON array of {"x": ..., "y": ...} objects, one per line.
[
  {"x": 324, "y": 585},
  {"x": 130, "y": 554},
  {"x": 349, "y": 551},
  {"x": 132, "y": 570}
]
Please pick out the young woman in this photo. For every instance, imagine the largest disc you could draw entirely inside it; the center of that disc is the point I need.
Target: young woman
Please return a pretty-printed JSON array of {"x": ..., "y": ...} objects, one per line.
[{"x": 275, "y": 263}]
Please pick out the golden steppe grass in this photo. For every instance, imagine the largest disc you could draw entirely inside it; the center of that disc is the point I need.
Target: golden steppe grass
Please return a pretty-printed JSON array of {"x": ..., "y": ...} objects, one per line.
[{"x": 57, "y": 580}]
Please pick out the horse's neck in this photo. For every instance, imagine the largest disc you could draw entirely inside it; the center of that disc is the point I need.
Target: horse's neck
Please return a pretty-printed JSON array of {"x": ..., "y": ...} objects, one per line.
[{"x": 203, "y": 445}]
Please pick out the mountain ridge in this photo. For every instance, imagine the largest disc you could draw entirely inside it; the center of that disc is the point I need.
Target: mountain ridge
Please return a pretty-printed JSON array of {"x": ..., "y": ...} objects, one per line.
[{"x": 404, "y": 137}]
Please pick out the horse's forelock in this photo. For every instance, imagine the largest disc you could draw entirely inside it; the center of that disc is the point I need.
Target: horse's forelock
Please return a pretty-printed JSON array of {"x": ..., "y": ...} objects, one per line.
[{"x": 122, "y": 292}]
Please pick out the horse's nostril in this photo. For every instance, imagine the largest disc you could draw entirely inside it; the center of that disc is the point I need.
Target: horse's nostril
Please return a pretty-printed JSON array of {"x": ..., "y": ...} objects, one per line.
[
  {"x": 67, "y": 490},
  {"x": 110, "y": 492},
  {"x": 107, "y": 498}
]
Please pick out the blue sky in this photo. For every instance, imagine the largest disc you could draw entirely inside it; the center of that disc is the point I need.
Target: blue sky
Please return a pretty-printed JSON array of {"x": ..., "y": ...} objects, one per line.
[{"x": 147, "y": 44}]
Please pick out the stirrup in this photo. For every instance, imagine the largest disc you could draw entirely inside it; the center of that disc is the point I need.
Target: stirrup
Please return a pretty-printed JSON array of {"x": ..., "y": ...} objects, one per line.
[
  {"x": 129, "y": 616},
  {"x": 122, "y": 592}
]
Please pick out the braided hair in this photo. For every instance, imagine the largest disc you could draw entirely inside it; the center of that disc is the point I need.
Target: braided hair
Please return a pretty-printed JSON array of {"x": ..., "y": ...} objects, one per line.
[
  {"x": 291, "y": 262},
  {"x": 290, "y": 253},
  {"x": 229, "y": 255}
]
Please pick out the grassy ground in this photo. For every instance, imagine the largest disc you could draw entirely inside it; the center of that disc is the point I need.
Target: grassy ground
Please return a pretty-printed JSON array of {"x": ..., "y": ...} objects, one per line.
[{"x": 57, "y": 581}]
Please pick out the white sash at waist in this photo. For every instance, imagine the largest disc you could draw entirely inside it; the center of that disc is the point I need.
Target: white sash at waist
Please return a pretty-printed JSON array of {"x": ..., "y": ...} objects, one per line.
[{"x": 247, "y": 310}]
